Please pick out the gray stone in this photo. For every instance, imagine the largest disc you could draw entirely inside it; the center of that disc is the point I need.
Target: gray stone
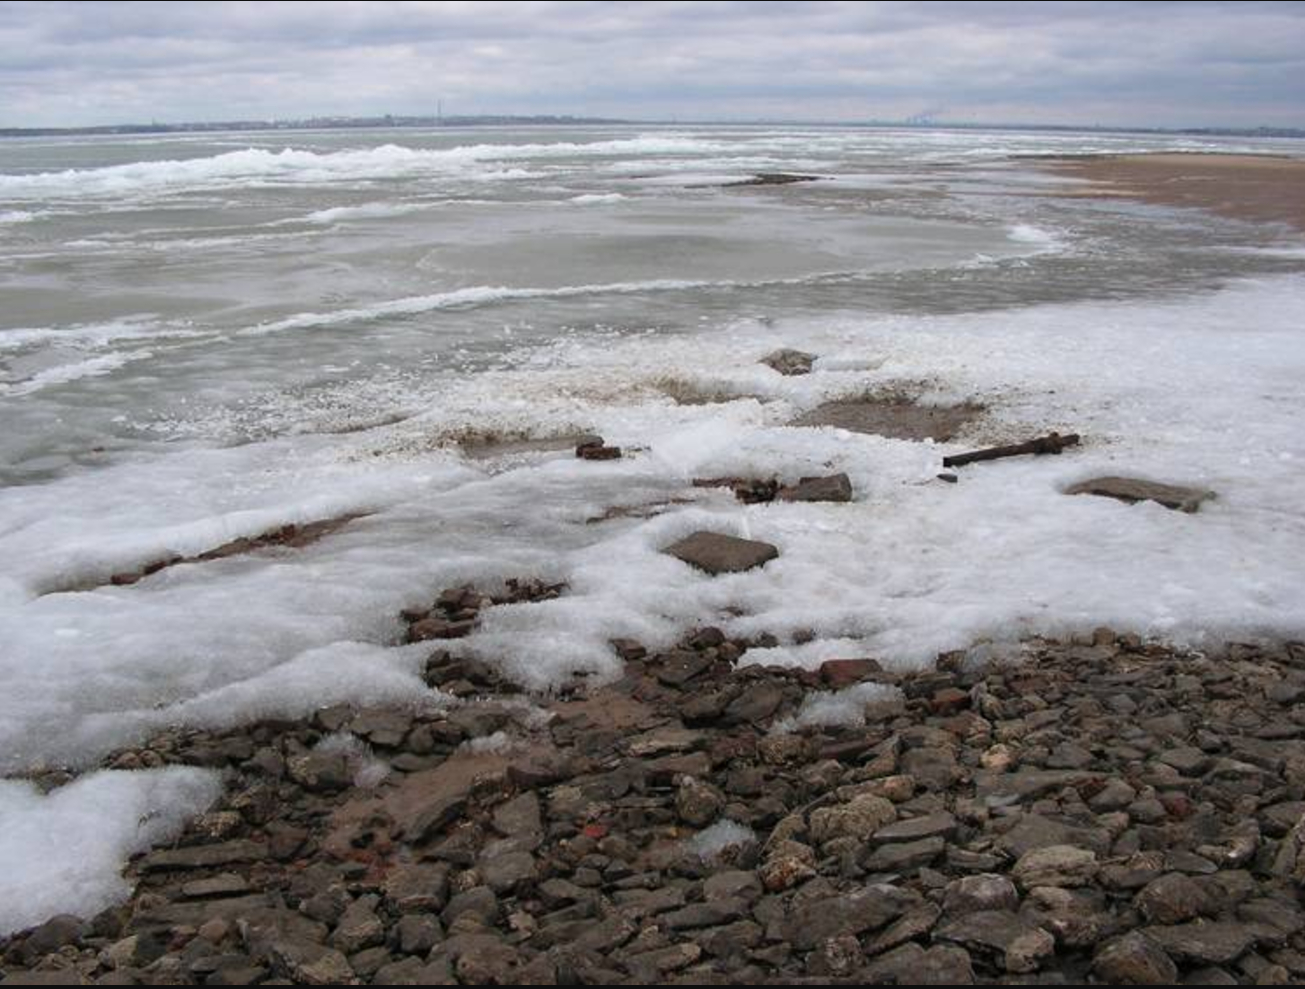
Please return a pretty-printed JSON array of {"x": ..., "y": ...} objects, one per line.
[
  {"x": 504, "y": 873},
  {"x": 1133, "y": 490},
  {"x": 917, "y": 828},
  {"x": 1204, "y": 942},
  {"x": 835, "y": 488},
  {"x": 757, "y": 703},
  {"x": 905, "y": 857},
  {"x": 479, "y": 902},
  {"x": 311, "y": 964},
  {"x": 417, "y": 934},
  {"x": 1173, "y": 899},
  {"x": 790, "y": 362},
  {"x": 1021, "y": 945},
  {"x": 985, "y": 893},
  {"x": 1057, "y": 865},
  {"x": 1003, "y": 789},
  {"x": 1134, "y": 960},
  {"x": 859, "y": 818},
  {"x": 203, "y": 857},
  {"x": 716, "y": 553},
  {"x": 732, "y": 885},
  {"x": 1033, "y": 831},
  {"x": 321, "y": 772},
  {"x": 813, "y": 921},
  {"x": 912, "y": 965},
  {"x": 359, "y": 927}
]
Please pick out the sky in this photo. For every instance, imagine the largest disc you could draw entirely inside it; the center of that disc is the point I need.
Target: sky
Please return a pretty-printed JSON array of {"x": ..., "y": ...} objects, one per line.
[{"x": 1123, "y": 64}]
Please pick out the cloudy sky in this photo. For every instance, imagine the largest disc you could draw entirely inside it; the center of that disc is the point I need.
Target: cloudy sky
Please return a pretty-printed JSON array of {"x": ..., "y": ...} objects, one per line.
[{"x": 1149, "y": 63}]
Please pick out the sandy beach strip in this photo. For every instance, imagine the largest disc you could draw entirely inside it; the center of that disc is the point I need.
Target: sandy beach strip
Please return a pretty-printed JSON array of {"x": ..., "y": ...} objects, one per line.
[{"x": 1257, "y": 188}]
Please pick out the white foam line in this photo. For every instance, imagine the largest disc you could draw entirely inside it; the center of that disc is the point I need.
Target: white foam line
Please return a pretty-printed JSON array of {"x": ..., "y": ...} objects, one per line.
[{"x": 473, "y": 296}]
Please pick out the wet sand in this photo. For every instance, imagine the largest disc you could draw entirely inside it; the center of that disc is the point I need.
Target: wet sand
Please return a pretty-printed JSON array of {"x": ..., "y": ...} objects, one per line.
[{"x": 1258, "y": 188}]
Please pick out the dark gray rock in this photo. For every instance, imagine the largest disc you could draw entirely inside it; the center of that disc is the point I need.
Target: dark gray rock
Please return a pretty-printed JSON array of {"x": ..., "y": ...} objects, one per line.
[
  {"x": 1021, "y": 946},
  {"x": 1134, "y": 960},
  {"x": 813, "y": 921},
  {"x": 1204, "y": 942},
  {"x": 203, "y": 857},
  {"x": 790, "y": 362}
]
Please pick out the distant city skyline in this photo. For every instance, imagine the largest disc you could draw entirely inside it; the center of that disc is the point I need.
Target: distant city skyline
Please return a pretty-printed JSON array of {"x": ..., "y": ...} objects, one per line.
[{"x": 1126, "y": 64}]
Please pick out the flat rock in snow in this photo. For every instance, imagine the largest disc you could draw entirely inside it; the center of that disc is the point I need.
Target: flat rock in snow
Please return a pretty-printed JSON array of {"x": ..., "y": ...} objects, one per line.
[
  {"x": 716, "y": 553},
  {"x": 1133, "y": 490}
]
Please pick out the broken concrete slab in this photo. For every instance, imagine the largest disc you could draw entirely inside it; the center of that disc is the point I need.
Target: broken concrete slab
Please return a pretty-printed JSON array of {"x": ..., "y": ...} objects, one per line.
[
  {"x": 716, "y": 553},
  {"x": 1133, "y": 490}
]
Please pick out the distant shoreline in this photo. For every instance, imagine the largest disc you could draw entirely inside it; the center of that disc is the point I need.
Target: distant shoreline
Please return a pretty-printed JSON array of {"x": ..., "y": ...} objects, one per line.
[
  {"x": 1255, "y": 188},
  {"x": 511, "y": 120}
]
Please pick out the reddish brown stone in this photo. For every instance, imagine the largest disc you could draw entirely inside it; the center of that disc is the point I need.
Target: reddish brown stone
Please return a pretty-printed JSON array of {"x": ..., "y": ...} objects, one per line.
[
  {"x": 840, "y": 673},
  {"x": 949, "y": 700}
]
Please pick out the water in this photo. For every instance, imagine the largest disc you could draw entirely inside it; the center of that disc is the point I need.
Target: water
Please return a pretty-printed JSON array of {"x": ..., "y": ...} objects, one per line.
[{"x": 165, "y": 287}]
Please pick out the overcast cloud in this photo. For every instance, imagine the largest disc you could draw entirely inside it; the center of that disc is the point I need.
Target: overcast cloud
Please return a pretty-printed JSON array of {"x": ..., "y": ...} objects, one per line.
[{"x": 1147, "y": 63}]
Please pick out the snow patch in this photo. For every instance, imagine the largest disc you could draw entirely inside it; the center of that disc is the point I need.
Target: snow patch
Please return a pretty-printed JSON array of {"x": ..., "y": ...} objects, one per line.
[{"x": 103, "y": 819}]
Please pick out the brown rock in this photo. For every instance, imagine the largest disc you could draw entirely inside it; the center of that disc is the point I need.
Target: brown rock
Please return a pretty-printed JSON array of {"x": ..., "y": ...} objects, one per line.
[
  {"x": 1133, "y": 490},
  {"x": 842, "y": 673},
  {"x": 835, "y": 488},
  {"x": 1134, "y": 960},
  {"x": 716, "y": 553}
]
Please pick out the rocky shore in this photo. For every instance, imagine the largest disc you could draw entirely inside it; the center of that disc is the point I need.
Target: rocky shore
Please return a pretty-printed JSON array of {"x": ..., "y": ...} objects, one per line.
[{"x": 1099, "y": 811}]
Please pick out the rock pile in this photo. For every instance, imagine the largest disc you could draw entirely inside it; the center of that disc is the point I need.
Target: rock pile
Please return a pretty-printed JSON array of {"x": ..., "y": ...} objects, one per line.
[
  {"x": 1093, "y": 812},
  {"x": 456, "y": 612}
]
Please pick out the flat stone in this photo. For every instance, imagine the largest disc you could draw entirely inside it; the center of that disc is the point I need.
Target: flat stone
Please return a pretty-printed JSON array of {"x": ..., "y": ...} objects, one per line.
[
  {"x": 1134, "y": 490},
  {"x": 1058, "y": 865},
  {"x": 917, "y": 828},
  {"x": 716, "y": 553},
  {"x": 504, "y": 873},
  {"x": 974, "y": 894},
  {"x": 1204, "y": 942},
  {"x": 360, "y": 927},
  {"x": 1173, "y": 899},
  {"x": 790, "y": 362},
  {"x": 897, "y": 418},
  {"x": 912, "y": 965},
  {"x": 1134, "y": 960},
  {"x": 905, "y": 857},
  {"x": 665, "y": 741},
  {"x": 311, "y": 964},
  {"x": 1003, "y": 789},
  {"x": 321, "y": 772},
  {"x": 813, "y": 922},
  {"x": 1187, "y": 760},
  {"x": 755, "y": 704},
  {"x": 1021, "y": 945},
  {"x": 228, "y": 884},
  {"x": 859, "y": 818},
  {"x": 835, "y": 488},
  {"x": 203, "y": 857}
]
